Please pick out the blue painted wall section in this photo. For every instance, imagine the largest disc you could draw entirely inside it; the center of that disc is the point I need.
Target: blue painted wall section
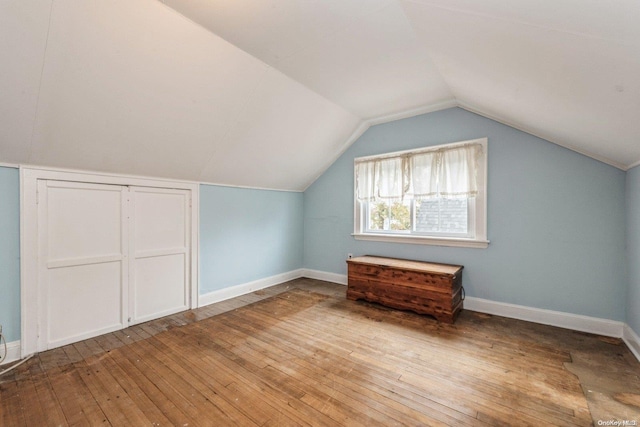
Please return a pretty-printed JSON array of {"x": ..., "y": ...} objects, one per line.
[
  {"x": 556, "y": 218},
  {"x": 633, "y": 248},
  {"x": 248, "y": 234},
  {"x": 558, "y": 224},
  {"x": 10, "y": 253}
]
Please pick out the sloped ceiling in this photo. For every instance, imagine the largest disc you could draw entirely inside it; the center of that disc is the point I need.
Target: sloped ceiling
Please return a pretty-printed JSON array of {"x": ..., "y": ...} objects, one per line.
[
  {"x": 268, "y": 93},
  {"x": 131, "y": 86}
]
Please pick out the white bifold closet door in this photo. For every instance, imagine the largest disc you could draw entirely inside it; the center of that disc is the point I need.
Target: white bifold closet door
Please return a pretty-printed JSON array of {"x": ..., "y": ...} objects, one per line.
[
  {"x": 159, "y": 247},
  {"x": 109, "y": 256}
]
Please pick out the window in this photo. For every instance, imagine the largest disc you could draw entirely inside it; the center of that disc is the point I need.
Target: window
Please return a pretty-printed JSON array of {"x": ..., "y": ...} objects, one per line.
[{"x": 434, "y": 195}]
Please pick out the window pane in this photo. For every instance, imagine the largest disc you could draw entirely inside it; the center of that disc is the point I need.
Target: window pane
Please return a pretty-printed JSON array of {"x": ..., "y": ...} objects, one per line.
[
  {"x": 390, "y": 216},
  {"x": 441, "y": 216}
]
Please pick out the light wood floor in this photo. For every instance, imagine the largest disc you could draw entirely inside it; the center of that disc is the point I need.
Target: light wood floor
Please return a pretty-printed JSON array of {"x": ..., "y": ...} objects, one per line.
[{"x": 301, "y": 354}]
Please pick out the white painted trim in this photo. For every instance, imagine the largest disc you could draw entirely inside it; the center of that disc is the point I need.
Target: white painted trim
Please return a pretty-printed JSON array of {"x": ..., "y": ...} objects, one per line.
[
  {"x": 13, "y": 352},
  {"x": 412, "y": 112},
  {"x": 633, "y": 165},
  {"x": 29, "y": 300},
  {"x": 522, "y": 128},
  {"x": 357, "y": 133},
  {"x": 422, "y": 240},
  {"x": 29, "y": 177},
  {"x": 246, "y": 187},
  {"x": 195, "y": 246},
  {"x": 108, "y": 175},
  {"x": 632, "y": 340},
  {"x": 245, "y": 288},
  {"x": 340, "y": 279},
  {"x": 154, "y": 178},
  {"x": 362, "y": 128},
  {"x": 576, "y": 322}
]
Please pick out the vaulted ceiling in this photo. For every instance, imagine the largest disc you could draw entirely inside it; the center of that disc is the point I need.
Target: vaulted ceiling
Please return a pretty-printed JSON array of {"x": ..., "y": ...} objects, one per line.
[{"x": 267, "y": 93}]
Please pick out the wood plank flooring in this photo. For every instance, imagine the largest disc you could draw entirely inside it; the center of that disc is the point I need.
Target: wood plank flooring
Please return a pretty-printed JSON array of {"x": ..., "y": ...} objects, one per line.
[{"x": 301, "y": 354}]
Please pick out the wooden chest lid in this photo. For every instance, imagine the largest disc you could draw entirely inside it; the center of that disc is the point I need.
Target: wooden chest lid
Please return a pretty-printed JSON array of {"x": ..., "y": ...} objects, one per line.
[{"x": 421, "y": 266}]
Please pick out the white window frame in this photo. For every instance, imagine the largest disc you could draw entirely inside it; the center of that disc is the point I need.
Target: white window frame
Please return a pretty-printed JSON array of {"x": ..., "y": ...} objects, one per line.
[{"x": 477, "y": 229}]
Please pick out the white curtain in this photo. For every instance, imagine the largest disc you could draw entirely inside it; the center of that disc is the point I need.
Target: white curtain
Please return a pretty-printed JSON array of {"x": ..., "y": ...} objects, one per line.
[
  {"x": 458, "y": 171},
  {"x": 382, "y": 179},
  {"x": 391, "y": 180},
  {"x": 365, "y": 181},
  {"x": 448, "y": 173},
  {"x": 424, "y": 174}
]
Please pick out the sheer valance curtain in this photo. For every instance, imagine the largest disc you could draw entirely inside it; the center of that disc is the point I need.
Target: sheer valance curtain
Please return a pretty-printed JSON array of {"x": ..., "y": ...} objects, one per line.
[{"x": 450, "y": 172}]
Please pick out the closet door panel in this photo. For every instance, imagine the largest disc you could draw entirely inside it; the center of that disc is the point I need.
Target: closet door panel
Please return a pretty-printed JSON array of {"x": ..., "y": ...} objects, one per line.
[
  {"x": 83, "y": 260},
  {"x": 159, "y": 289},
  {"x": 84, "y": 220},
  {"x": 160, "y": 241},
  {"x": 84, "y": 301}
]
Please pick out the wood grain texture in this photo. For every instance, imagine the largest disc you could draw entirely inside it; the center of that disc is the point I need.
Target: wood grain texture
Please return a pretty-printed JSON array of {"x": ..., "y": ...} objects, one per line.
[
  {"x": 403, "y": 264},
  {"x": 422, "y": 287},
  {"x": 302, "y": 354}
]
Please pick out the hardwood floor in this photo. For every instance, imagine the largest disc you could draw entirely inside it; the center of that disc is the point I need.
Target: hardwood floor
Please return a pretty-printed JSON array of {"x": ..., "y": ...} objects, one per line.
[{"x": 301, "y": 354}]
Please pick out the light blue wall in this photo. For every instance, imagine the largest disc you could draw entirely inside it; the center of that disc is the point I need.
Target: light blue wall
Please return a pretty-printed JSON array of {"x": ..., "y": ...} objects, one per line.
[
  {"x": 633, "y": 248},
  {"x": 556, "y": 225},
  {"x": 248, "y": 234},
  {"x": 556, "y": 219},
  {"x": 10, "y": 253}
]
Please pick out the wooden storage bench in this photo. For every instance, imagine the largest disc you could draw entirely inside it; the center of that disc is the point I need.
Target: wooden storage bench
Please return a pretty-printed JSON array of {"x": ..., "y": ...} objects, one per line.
[{"x": 423, "y": 287}]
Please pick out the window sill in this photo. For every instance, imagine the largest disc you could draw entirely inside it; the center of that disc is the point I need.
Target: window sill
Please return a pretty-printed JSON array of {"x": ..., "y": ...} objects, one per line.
[{"x": 423, "y": 240}]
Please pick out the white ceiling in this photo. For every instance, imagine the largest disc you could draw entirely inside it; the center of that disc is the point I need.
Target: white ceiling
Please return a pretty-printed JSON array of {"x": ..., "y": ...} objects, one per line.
[
  {"x": 565, "y": 70},
  {"x": 131, "y": 86},
  {"x": 268, "y": 93},
  {"x": 361, "y": 54}
]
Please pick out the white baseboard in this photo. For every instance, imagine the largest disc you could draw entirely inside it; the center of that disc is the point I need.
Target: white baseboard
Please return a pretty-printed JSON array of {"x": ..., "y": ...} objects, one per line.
[
  {"x": 245, "y": 288},
  {"x": 632, "y": 340},
  {"x": 576, "y": 322},
  {"x": 340, "y": 279},
  {"x": 13, "y": 352}
]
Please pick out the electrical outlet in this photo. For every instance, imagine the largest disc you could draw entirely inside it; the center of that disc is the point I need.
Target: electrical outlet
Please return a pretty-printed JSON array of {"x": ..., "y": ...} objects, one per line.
[{"x": 349, "y": 256}]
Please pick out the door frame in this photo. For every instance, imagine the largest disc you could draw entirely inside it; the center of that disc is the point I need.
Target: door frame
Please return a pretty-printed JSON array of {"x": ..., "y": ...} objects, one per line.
[{"x": 29, "y": 267}]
